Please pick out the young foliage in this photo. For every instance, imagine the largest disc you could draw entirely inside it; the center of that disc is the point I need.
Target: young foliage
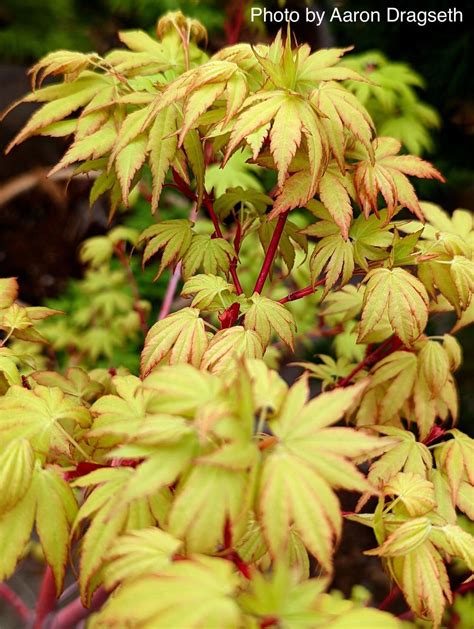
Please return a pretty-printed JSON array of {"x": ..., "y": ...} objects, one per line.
[{"x": 205, "y": 491}]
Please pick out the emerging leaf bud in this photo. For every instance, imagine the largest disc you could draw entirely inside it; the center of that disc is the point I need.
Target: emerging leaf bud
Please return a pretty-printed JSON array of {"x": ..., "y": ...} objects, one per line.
[{"x": 185, "y": 25}]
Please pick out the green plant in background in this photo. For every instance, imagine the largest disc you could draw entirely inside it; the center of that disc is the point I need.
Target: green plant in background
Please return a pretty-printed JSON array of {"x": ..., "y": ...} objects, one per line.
[
  {"x": 392, "y": 100},
  {"x": 105, "y": 312},
  {"x": 30, "y": 29},
  {"x": 203, "y": 492}
]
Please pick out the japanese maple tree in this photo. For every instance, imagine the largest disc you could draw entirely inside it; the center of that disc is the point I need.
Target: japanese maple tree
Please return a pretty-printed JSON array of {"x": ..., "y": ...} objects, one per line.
[{"x": 203, "y": 491}]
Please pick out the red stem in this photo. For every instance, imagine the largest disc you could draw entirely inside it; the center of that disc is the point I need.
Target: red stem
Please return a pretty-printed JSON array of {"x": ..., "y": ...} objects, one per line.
[
  {"x": 73, "y": 613},
  {"x": 390, "y": 598},
  {"x": 184, "y": 188},
  {"x": 233, "y": 262},
  {"x": 271, "y": 252},
  {"x": 303, "y": 292},
  {"x": 390, "y": 345},
  {"x": 218, "y": 231},
  {"x": 15, "y": 602},
  {"x": 170, "y": 292},
  {"x": 233, "y": 24},
  {"x": 47, "y": 598},
  {"x": 215, "y": 221},
  {"x": 464, "y": 587}
]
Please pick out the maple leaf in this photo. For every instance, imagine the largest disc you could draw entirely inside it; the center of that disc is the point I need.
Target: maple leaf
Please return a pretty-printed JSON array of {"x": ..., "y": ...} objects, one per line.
[
  {"x": 343, "y": 110},
  {"x": 229, "y": 344},
  {"x": 329, "y": 371},
  {"x": 93, "y": 146},
  {"x": 8, "y": 291},
  {"x": 56, "y": 510},
  {"x": 266, "y": 316},
  {"x": 210, "y": 254},
  {"x": 334, "y": 192},
  {"x": 282, "y": 597},
  {"x": 370, "y": 238},
  {"x": 45, "y": 417},
  {"x": 454, "y": 278},
  {"x": 162, "y": 146},
  {"x": 344, "y": 304},
  {"x": 179, "y": 337},
  {"x": 332, "y": 254},
  {"x": 398, "y": 373},
  {"x": 59, "y": 62},
  {"x": 139, "y": 553},
  {"x": 413, "y": 552},
  {"x": 130, "y": 402},
  {"x": 387, "y": 175},
  {"x": 128, "y": 163},
  {"x": 50, "y": 503},
  {"x": 194, "y": 593},
  {"x": 434, "y": 362},
  {"x": 413, "y": 491},
  {"x": 75, "y": 382},
  {"x": 278, "y": 107},
  {"x": 15, "y": 531},
  {"x": 19, "y": 321},
  {"x": 400, "y": 295},
  {"x": 199, "y": 522},
  {"x": 335, "y": 257},
  {"x": 17, "y": 465},
  {"x": 110, "y": 517},
  {"x": 251, "y": 200},
  {"x": 403, "y": 453},
  {"x": 96, "y": 250},
  {"x": 211, "y": 292},
  {"x": 182, "y": 389},
  {"x": 61, "y": 100},
  {"x": 454, "y": 458},
  {"x": 174, "y": 237},
  {"x": 307, "y": 450}
]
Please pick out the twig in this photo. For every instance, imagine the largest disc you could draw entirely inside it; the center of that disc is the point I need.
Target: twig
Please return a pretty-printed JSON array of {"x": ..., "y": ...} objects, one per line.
[
  {"x": 47, "y": 598},
  {"x": 218, "y": 231},
  {"x": 390, "y": 598},
  {"x": 72, "y": 614},
  {"x": 271, "y": 251},
  {"x": 170, "y": 292},
  {"x": 15, "y": 602},
  {"x": 390, "y": 345},
  {"x": 303, "y": 292},
  {"x": 234, "y": 22}
]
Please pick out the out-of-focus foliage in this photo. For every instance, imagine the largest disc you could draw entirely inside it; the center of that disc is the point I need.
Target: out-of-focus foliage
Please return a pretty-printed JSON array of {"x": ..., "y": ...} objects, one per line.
[
  {"x": 30, "y": 29},
  {"x": 392, "y": 100}
]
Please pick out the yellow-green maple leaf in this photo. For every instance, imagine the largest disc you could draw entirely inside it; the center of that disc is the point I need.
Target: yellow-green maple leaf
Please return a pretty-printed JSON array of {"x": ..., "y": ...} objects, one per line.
[
  {"x": 399, "y": 294},
  {"x": 179, "y": 337},
  {"x": 307, "y": 460}
]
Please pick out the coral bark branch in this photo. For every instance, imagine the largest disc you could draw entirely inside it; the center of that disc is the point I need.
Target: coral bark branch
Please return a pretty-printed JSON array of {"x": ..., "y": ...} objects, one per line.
[
  {"x": 15, "y": 602},
  {"x": 47, "y": 598},
  {"x": 271, "y": 252},
  {"x": 387, "y": 347}
]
